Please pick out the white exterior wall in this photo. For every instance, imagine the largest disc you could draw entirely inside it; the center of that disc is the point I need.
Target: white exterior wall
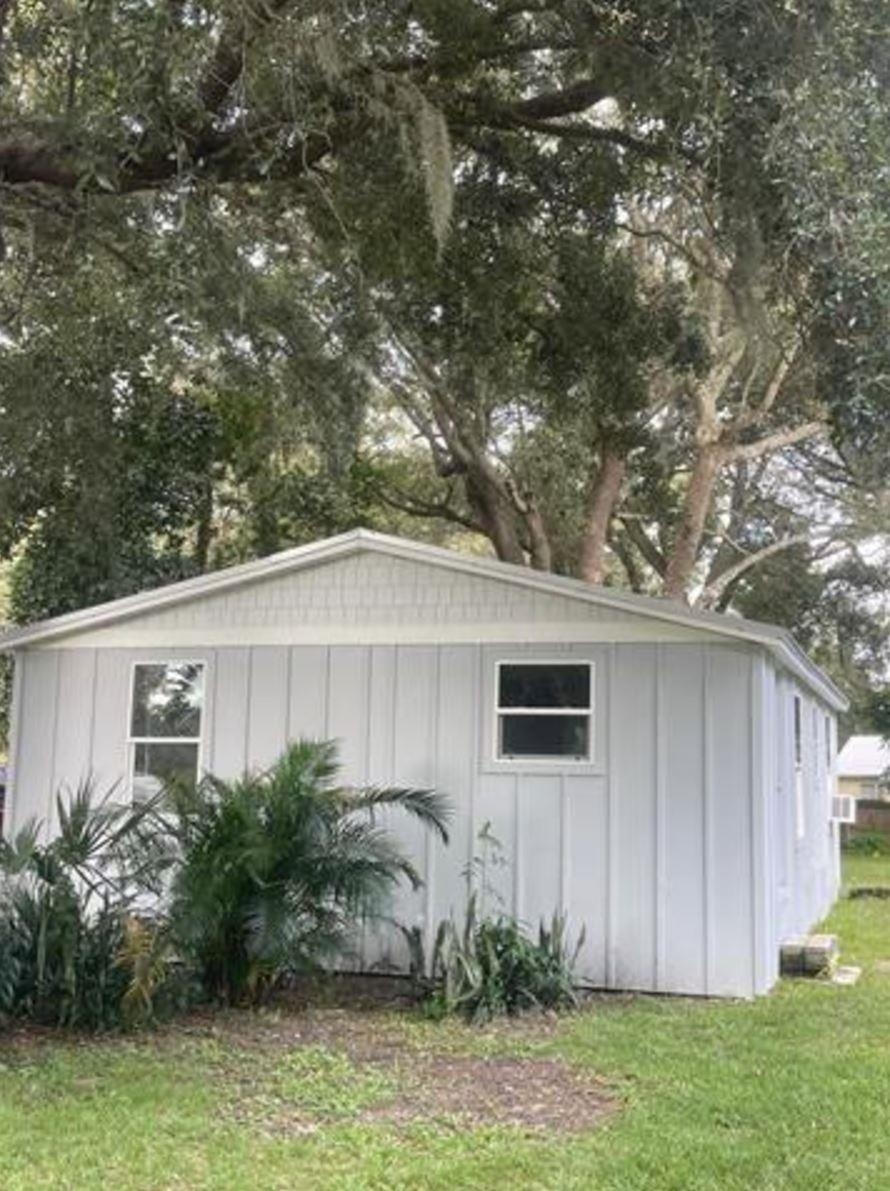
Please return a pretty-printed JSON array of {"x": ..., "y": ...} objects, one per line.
[
  {"x": 671, "y": 847},
  {"x": 805, "y": 867}
]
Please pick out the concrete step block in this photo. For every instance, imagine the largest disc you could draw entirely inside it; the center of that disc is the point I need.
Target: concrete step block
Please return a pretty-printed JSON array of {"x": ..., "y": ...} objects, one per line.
[{"x": 809, "y": 955}]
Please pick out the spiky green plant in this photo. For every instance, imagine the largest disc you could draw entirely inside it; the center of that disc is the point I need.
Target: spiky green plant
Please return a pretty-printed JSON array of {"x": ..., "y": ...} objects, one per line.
[
  {"x": 275, "y": 869},
  {"x": 490, "y": 966},
  {"x": 63, "y": 904}
]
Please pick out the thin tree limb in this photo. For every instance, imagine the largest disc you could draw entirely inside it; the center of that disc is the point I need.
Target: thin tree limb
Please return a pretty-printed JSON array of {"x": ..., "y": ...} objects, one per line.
[
  {"x": 775, "y": 442},
  {"x": 716, "y": 587}
]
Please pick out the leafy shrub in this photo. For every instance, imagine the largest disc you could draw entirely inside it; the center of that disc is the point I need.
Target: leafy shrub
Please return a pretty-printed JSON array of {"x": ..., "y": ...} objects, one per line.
[
  {"x": 492, "y": 967},
  {"x": 273, "y": 871},
  {"x": 867, "y": 843},
  {"x": 248, "y": 880},
  {"x": 63, "y": 909}
]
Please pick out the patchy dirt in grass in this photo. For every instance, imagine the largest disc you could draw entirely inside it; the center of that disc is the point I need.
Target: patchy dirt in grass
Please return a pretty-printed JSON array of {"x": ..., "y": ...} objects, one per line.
[
  {"x": 444, "y": 1091},
  {"x": 349, "y": 1052},
  {"x": 531, "y": 1094},
  {"x": 404, "y": 1071}
]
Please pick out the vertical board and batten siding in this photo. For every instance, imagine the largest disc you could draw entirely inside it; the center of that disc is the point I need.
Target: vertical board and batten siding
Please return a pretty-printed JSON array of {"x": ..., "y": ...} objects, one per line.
[
  {"x": 803, "y": 873},
  {"x": 650, "y": 848},
  {"x": 674, "y": 847},
  {"x": 687, "y": 869},
  {"x": 728, "y": 841}
]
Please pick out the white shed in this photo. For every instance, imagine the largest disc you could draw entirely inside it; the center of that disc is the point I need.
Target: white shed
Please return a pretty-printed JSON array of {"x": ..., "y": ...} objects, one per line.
[{"x": 661, "y": 775}]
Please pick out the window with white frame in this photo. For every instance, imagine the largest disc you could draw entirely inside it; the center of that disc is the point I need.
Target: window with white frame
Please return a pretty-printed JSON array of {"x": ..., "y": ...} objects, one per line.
[
  {"x": 544, "y": 711},
  {"x": 167, "y": 703},
  {"x": 800, "y": 826}
]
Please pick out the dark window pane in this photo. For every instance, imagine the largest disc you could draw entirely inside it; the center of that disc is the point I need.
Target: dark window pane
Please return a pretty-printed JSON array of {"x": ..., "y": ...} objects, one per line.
[
  {"x": 167, "y": 699},
  {"x": 544, "y": 686},
  {"x": 544, "y": 735},
  {"x": 154, "y": 765}
]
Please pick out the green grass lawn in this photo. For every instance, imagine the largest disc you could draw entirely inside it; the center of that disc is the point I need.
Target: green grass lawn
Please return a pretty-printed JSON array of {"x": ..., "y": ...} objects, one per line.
[{"x": 792, "y": 1091}]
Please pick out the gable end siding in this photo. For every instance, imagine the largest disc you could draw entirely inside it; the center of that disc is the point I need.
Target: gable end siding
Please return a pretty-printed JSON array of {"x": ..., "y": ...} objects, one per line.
[{"x": 375, "y": 596}]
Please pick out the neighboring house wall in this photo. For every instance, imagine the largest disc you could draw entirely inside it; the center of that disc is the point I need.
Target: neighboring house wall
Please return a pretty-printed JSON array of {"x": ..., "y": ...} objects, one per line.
[
  {"x": 862, "y": 787},
  {"x": 676, "y": 848}
]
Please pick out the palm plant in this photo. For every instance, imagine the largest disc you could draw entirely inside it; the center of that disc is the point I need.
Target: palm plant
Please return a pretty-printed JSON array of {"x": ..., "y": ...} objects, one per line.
[
  {"x": 275, "y": 869},
  {"x": 64, "y": 904}
]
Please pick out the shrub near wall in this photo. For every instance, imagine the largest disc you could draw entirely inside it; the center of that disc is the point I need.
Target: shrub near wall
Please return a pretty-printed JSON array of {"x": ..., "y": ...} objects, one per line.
[
  {"x": 866, "y": 842},
  {"x": 250, "y": 881},
  {"x": 64, "y": 908}
]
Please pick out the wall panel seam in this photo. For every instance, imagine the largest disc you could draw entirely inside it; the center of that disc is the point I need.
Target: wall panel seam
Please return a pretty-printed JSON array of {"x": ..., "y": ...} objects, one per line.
[
  {"x": 611, "y": 781},
  {"x": 288, "y": 690},
  {"x": 707, "y": 908},
  {"x": 660, "y": 826},
  {"x": 248, "y": 682},
  {"x": 10, "y": 822},
  {"x": 54, "y": 740},
  {"x": 94, "y": 685}
]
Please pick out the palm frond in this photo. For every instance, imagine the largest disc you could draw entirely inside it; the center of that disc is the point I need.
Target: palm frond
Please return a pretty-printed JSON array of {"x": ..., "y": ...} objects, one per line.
[
  {"x": 18, "y": 854},
  {"x": 430, "y": 807}
]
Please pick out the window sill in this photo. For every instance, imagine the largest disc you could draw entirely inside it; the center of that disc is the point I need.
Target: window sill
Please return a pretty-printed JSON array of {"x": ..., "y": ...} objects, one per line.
[{"x": 551, "y": 767}]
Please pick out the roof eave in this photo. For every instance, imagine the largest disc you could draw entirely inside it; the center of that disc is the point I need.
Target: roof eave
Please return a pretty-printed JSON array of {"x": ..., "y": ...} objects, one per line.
[{"x": 778, "y": 641}]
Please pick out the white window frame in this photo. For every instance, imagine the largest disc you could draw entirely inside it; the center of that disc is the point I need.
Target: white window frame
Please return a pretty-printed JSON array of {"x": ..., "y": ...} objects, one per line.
[
  {"x": 828, "y": 759},
  {"x": 133, "y": 741},
  {"x": 588, "y": 712}
]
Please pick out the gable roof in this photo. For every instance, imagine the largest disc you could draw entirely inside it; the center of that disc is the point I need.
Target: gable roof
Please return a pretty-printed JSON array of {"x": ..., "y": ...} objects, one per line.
[
  {"x": 778, "y": 641},
  {"x": 864, "y": 756}
]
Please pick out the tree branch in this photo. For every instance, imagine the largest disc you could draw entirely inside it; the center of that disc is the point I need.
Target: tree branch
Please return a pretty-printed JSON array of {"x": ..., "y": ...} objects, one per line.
[
  {"x": 757, "y": 413},
  {"x": 226, "y": 64},
  {"x": 655, "y": 150},
  {"x": 775, "y": 442},
  {"x": 716, "y": 587},
  {"x": 567, "y": 101},
  {"x": 421, "y": 508},
  {"x": 646, "y": 547}
]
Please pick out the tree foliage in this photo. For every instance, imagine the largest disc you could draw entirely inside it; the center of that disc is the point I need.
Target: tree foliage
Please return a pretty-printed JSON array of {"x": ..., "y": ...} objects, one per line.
[{"x": 604, "y": 287}]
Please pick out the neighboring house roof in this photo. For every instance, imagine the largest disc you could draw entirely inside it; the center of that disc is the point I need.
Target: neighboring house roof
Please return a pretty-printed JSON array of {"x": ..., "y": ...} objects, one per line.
[
  {"x": 778, "y": 641},
  {"x": 864, "y": 756}
]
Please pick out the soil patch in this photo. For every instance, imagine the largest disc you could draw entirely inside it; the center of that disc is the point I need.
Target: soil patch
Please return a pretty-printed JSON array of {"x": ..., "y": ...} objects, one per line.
[
  {"x": 445, "y": 1075},
  {"x": 534, "y": 1095},
  {"x": 350, "y": 1052}
]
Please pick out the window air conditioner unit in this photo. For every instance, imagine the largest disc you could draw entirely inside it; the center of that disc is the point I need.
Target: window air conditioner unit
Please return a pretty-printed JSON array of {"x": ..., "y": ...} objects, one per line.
[{"x": 843, "y": 808}]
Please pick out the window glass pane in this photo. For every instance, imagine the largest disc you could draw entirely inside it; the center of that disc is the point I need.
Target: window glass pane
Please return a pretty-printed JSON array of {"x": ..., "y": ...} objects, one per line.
[
  {"x": 167, "y": 699},
  {"x": 154, "y": 765},
  {"x": 544, "y": 686},
  {"x": 544, "y": 736}
]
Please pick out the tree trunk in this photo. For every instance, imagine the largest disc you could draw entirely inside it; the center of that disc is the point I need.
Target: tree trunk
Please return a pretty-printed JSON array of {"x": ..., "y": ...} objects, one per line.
[
  {"x": 204, "y": 527},
  {"x": 696, "y": 507},
  {"x": 541, "y": 555},
  {"x": 603, "y": 496},
  {"x": 496, "y": 516}
]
